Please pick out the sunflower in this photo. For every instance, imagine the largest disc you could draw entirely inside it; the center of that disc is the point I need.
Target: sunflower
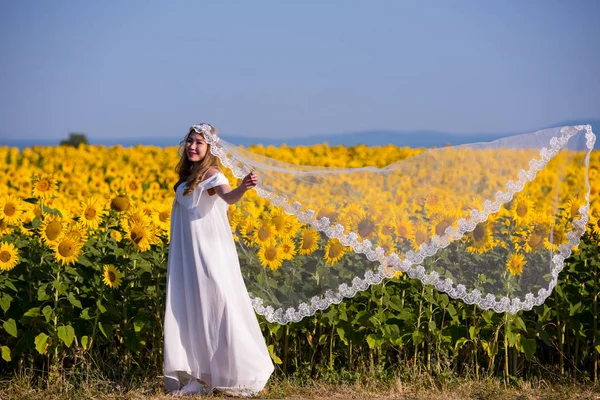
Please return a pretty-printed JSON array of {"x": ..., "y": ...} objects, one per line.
[
  {"x": 120, "y": 202},
  {"x": 116, "y": 235},
  {"x": 480, "y": 239},
  {"x": 280, "y": 221},
  {"x": 572, "y": 206},
  {"x": 270, "y": 255},
  {"x": 557, "y": 236},
  {"x": 91, "y": 213},
  {"x": 52, "y": 229},
  {"x": 515, "y": 264},
  {"x": 404, "y": 228},
  {"x": 288, "y": 248},
  {"x": 67, "y": 250},
  {"x": 9, "y": 256},
  {"x": 419, "y": 236},
  {"x": 334, "y": 251},
  {"x": 366, "y": 226},
  {"x": 351, "y": 214},
  {"x": 309, "y": 241},
  {"x": 140, "y": 235},
  {"x": 162, "y": 216},
  {"x": 535, "y": 238},
  {"x": 44, "y": 186},
  {"x": 440, "y": 222},
  {"x": 522, "y": 209},
  {"x": 328, "y": 211},
  {"x": 387, "y": 244},
  {"x": 11, "y": 210},
  {"x": 263, "y": 233},
  {"x": 595, "y": 223},
  {"x": 112, "y": 276}
]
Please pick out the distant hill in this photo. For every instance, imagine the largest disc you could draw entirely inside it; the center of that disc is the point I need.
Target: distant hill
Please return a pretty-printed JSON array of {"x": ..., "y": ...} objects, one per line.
[{"x": 423, "y": 138}]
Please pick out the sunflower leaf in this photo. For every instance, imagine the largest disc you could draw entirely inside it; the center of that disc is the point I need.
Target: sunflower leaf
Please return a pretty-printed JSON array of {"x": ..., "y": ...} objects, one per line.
[
  {"x": 66, "y": 334},
  {"x": 5, "y": 301},
  {"x": 41, "y": 341},
  {"x": 47, "y": 311},
  {"x": 10, "y": 326},
  {"x": 74, "y": 301},
  {"x": 10, "y": 285},
  {"x": 6, "y": 353},
  {"x": 84, "y": 342}
]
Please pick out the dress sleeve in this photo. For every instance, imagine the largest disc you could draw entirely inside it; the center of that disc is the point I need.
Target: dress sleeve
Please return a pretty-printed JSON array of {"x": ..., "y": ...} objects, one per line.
[{"x": 215, "y": 180}]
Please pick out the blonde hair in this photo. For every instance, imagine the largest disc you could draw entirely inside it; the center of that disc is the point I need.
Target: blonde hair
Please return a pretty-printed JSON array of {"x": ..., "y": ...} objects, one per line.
[{"x": 192, "y": 172}]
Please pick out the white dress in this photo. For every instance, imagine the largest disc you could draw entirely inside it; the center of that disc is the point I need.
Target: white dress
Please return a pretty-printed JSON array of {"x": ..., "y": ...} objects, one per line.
[{"x": 211, "y": 331}]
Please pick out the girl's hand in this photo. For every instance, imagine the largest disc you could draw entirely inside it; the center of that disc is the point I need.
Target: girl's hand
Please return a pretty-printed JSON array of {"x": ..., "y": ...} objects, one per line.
[{"x": 249, "y": 181}]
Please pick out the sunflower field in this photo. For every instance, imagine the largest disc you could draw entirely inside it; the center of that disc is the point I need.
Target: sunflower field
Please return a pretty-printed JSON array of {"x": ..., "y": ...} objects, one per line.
[{"x": 84, "y": 236}]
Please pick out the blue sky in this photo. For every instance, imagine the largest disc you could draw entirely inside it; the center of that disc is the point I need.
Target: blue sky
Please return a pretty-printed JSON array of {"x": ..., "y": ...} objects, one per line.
[{"x": 287, "y": 69}]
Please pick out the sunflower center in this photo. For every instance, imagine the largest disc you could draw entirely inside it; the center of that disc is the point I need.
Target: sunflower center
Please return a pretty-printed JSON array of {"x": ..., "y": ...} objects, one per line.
[
  {"x": 279, "y": 222},
  {"x": 402, "y": 231},
  {"x": 535, "y": 240},
  {"x": 137, "y": 235},
  {"x": 420, "y": 237},
  {"x": 307, "y": 242},
  {"x": 164, "y": 216},
  {"x": 9, "y": 209},
  {"x": 133, "y": 186},
  {"x": 440, "y": 228},
  {"x": 120, "y": 203},
  {"x": 53, "y": 230},
  {"x": 43, "y": 185},
  {"x": 264, "y": 233},
  {"x": 111, "y": 276},
  {"x": 479, "y": 233},
  {"x": 365, "y": 227},
  {"x": 521, "y": 210},
  {"x": 557, "y": 237},
  {"x": 90, "y": 213},
  {"x": 66, "y": 249},
  {"x": 335, "y": 250},
  {"x": 270, "y": 254},
  {"x": 5, "y": 256}
]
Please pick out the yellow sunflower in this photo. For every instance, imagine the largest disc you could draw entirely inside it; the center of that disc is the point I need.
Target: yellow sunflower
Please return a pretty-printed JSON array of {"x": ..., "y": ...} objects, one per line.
[
  {"x": 572, "y": 206},
  {"x": 270, "y": 255},
  {"x": 403, "y": 229},
  {"x": 334, "y": 251},
  {"x": 67, "y": 250},
  {"x": 91, "y": 213},
  {"x": 309, "y": 241},
  {"x": 595, "y": 223},
  {"x": 11, "y": 209},
  {"x": 140, "y": 235},
  {"x": 112, "y": 276},
  {"x": 288, "y": 248},
  {"x": 44, "y": 186},
  {"x": 419, "y": 236},
  {"x": 120, "y": 202},
  {"x": 522, "y": 209},
  {"x": 263, "y": 233},
  {"x": 52, "y": 229},
  {"x": 535, "y": 238},
  {"x": 515, "y": 264},
  {"x": 480, "y": 239},
  {"x": 9, "y": 256},
  {"x": 162, "y": 216},
  {"x": 116, "y": 235},
  {"x": 280, "y": 221},
  {"x": 440, "y": 222},
  {"x": 366, "y": 226},
  {"x": 556, "y": 237}
]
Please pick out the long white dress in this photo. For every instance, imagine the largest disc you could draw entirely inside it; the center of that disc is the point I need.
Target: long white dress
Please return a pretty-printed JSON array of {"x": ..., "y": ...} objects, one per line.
[{"x": 211, "y": 331}]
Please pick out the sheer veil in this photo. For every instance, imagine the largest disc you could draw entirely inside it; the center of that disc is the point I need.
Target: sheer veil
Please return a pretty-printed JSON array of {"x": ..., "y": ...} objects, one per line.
[{"x": 488, "y": 223}]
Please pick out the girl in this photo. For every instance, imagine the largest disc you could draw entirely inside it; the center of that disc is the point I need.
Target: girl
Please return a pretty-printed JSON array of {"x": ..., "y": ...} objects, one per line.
[{"x": 212, "y": 337}]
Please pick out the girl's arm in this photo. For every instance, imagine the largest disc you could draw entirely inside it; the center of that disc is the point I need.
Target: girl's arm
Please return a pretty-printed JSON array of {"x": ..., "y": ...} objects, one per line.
[{"x": 231, "y": 196}]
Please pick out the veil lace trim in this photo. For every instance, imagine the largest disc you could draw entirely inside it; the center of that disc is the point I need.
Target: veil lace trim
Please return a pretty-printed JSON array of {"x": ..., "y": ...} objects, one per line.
[{"x": 411, "y": 265}]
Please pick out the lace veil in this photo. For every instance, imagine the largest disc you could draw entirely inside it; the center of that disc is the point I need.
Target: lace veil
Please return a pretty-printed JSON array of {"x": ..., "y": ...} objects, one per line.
[{"x": 488, "y": 223}]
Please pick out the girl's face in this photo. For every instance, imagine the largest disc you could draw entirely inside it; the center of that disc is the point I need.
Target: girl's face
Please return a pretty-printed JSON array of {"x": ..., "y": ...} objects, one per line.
[{"x": 195, "y": 147}]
